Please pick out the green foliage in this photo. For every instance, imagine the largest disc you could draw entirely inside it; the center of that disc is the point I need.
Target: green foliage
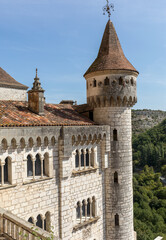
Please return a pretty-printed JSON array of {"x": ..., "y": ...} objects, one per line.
[
  {"x": 149, "y": 148},
  {"x": 149, "y": 205}
]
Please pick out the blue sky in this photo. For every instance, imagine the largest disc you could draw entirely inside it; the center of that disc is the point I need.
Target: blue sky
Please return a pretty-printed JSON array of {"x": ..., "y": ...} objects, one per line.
[{"x": 62, "y": 37}]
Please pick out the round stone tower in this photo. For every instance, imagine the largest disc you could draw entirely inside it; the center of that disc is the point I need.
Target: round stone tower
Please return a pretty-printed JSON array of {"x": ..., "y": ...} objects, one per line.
[{"x": 111, "y": 92}]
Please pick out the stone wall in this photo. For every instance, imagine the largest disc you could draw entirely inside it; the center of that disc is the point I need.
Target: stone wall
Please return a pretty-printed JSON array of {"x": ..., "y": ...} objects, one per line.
[
  {"x": 13, "y": 94},
  {"x": 119, "y": 193},
  {"x": 59, "y": 191}
]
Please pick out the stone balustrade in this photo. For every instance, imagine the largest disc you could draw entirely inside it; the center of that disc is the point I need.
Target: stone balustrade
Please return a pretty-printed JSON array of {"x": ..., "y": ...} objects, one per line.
[{"x": 13, "y": 227}]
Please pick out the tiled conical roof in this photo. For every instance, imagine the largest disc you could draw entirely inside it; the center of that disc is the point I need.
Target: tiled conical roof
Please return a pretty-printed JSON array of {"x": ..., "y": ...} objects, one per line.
[
  {"x": 110, "y": 56},
  {"x": 7, "y": 81}
]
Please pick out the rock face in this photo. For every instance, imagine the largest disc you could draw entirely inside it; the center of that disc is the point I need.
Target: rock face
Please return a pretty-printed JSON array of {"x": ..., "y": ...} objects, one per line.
[{"x": 145, "y": 119}]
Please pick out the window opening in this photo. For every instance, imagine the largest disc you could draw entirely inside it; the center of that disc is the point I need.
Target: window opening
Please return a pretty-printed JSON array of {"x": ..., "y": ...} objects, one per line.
[
  {"x": 115, "y": 177},
  {"x": 82, "y": 158},
  {"x": 6, "y": 170},
  {"x": 94, "y": 83},
  {"x": 115, "y": 135},
  {"x": 120, "y": 81},
  {"x": 106, "y": 81},
  {"x": 77, "y": 159},
  {"x": 39, "y": 221},
  {"x": 29, "y": 166},
  {"x": 37, "y": 166},
  {"x": 87, "y": 158},
  {"x": 116, "y": 220}
]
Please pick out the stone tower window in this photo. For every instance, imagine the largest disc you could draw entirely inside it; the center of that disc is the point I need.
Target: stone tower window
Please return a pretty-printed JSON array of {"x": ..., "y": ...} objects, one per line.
[
  {"x": 13, "y": 143},
  {"x": 77, "y": 159},
  {"x": 106, "y": 81},
  {"x": 30, "y": 141},
  {"x": 120, "y": 81},
  {"x": 78, "y": 210},
  {"x": 88, "y": 207},
  {"x": 82, "y": 158},
  {"x": 38, "y": 166},
  {"x": 4, "y": 144},
  {"x": 53, "y": 141},
  {"x": 115, "y": 135},
  {"x": 132, "y": 81},
  {"x": 39, "y": 221},
  {"x": 87, "y": 158},
  {"x": 94, "y": 83},
  {"x": 31, "y": 220},
  {"x": 29, "y": 166},
  {"x": 6, "y": 170},
  {"x": 46, "y": 141},
  {"x": 83, "y": 208},
  {"x": 38, "y": 142},
  {"x": 116, "y": 220},
  {"x": 115, "y": 177},
  {"x": 22, "y": 143}
]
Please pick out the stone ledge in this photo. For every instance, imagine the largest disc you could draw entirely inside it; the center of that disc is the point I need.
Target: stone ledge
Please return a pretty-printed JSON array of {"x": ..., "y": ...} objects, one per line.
[
  {"x": 83, "y": 224},
  {"x": 84, "y": 171},
  {"x": 8, "y": 186},
  {"x": 37, "y": 180}
]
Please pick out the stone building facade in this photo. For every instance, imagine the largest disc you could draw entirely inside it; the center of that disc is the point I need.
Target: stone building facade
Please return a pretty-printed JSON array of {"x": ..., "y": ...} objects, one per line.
[{"x": 70, "y": 166}]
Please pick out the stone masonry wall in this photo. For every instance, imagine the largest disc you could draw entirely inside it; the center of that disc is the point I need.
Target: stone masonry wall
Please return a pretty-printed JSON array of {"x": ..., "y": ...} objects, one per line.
[
  {"x": 13, "y": 94},
  {"x": 119, "y": 196}
]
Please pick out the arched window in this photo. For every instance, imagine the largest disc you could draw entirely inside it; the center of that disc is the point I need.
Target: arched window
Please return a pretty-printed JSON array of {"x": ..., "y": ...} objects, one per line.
[
  {"x": 132, "y": 81},
  {"x": 82, "y": 158},
  {"x": 120, "y": 81},
  {"x": 78, "y": 210},
  {"x": 46, "y": 165},
  {"x": 13, "y": 143},
  {"x": 88, "y": 207},
  {"x": 116, "y": 220},
  {"x": 4, "y": 144},
  {"x": 77, "y": 159},
  {"x": 115, "y": 135},
  {"x": 47, "y": 222},
  {"x": 53, "y": 141},
  {"x": 115, "y": 177},
  {"x": 94, "y": 83},
  {"x": 83, "y": 208},
  {"x": 31, "y": 220},
  {"x": 6, "y": 170},
  {"x": 38, "y": 141},
  {"x": 93, "y": 207},
  {"x": 30, "y": 141},
  {"x": 29, "y": 166},
  {"x": 39, "y": 221},
  {"x": 46, "y": 141},
  {"x": 87, "y": 158},
  {"x": 37, "y": 166},
  {"x": 106, "y": 81},
  {"x": 22, "y": 143}
]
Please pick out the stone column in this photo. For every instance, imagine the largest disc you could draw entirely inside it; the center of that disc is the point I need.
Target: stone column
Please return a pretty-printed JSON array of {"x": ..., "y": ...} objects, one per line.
[
  {"x": 90, "y": 152},
  {"x": 79, "y": 153},
  {"x": 85, "y": 202},
  {"x": 41, "y": 159},
  {"x": 84, "y": 152},
  {"x": 2, "y": 173}
]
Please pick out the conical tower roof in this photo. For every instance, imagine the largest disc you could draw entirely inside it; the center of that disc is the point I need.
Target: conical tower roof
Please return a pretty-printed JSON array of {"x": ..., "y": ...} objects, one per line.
[
  {"x": 110, "y": 56},
  {"x": 8, "y": 82}
]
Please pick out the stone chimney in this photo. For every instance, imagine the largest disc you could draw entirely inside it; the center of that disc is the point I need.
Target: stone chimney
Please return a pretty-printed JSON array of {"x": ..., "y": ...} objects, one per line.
[{"x": 36, "y": 98}]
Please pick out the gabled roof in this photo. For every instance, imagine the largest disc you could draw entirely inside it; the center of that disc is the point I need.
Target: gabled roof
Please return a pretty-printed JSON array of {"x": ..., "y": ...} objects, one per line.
[
  {"x": 8, "y": 82},
  {"x": 110, "y": 56},
  {"x": 17, "y": 114}
]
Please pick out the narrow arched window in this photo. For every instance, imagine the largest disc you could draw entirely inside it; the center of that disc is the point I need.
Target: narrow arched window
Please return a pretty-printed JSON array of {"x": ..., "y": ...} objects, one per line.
[
  {"x": 46, "y": 141},
  {"x": 93, "y": 207},
  {"x": 120, "y": 81},
  {"x": 38, "y": 141},
  {"x": 39, "y": 221},
  {"x": 22, "y": 143},
  {"x": 94, "y": 83},
  {"x": 83, "y": 208},
  {"x": 44, "y": 164},
  {"x": 53, "y": 141},
  {"x": 132, "y": 81},
  {"x": 29, "y": 166},
  {"x": 115, "y": 135},
  {"x": 115, "y": 177},
  {"x": 30, "y": 220},
  {"x": 78, "y": 210},
  {"x": 37, "y": 166},
  {"x": 30, "y": 141},
  {"x": 87, "y": 158},
  {"x": 6, "y": 166},
  {"x": 106, "y": 81},
  {"x": 47, "y": 222},
  {"x": 116, "y": 220},
  {"x": 82, "y": 158},
  {"x": 77, "y": 159},
  {"x": 88, "y": 207}
]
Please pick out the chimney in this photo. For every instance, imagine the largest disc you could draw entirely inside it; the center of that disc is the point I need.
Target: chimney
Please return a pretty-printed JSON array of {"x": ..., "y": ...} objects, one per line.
[{"x": 36, "y": 98}]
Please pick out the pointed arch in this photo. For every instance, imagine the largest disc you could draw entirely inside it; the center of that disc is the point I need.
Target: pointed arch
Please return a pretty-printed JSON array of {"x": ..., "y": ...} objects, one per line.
[{"x": 38, "y": 165}]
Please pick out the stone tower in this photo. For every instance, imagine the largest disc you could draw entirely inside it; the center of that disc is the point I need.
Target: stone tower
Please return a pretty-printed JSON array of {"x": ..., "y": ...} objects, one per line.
[{"x": 111, "y": 92}]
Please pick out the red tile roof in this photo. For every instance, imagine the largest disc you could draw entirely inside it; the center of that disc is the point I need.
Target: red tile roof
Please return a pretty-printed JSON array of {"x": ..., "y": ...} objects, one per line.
[
  {"x": 14, "y": 113},
  {"x": 7, "y": 81},
  {"x": 110, "y": 56}
]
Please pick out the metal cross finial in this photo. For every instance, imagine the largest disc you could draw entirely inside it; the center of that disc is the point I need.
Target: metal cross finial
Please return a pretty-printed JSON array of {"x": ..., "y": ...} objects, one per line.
[{"x": 108, "y": 8}]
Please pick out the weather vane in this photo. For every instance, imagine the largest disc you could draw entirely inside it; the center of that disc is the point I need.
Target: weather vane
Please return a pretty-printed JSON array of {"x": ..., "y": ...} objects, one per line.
[{"x": 108, "y": 8}]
